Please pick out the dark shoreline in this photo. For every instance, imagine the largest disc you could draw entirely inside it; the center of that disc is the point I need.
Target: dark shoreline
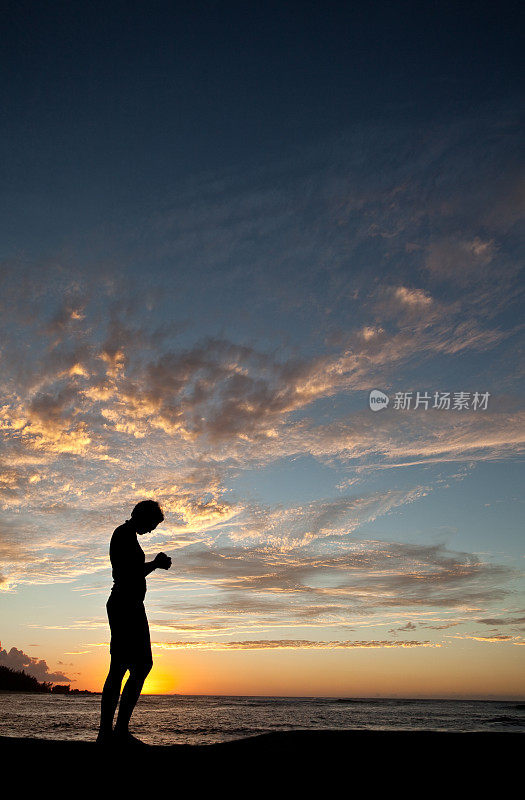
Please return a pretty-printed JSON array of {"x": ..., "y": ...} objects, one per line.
[
  {"x": 280, "y": 743},
  {"x": 280, "y": 762}
]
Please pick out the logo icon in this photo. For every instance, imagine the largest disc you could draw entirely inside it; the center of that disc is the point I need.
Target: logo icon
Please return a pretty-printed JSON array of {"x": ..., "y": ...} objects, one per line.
[{"x": 378, "y": 400}]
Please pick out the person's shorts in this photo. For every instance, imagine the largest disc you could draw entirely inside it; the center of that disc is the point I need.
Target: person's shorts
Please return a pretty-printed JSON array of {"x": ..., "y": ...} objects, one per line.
[{"x": 130, "y": 639}]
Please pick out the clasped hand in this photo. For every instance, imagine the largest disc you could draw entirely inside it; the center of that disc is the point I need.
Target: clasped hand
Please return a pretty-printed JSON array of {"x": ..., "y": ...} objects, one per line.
[{"x": 162, "y": 561}]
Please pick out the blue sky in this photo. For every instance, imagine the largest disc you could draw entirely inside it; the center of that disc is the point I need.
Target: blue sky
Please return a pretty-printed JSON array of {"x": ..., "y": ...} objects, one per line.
[{"x": 224, "y": 225}]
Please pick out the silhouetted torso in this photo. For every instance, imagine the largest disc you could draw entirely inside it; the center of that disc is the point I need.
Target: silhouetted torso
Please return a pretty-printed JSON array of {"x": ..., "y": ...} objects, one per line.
[{"x": 127, "y": 560}]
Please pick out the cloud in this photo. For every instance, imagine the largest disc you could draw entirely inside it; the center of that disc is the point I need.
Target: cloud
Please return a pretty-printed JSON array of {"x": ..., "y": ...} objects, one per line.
[
  {"x": 38, "y": 668},
  {"x": 330, "y": 582},
  {"x": 235, "y": 402},
  {"x": 288, "y": 644},
  {"x": 425, "y": 437},
  {"x": 408, "y": 627},
  {"x": 444, "y": 627},
  {"x": 495, "y": 638},
  {"x": 459, "y": 259},
  {"x": 496, "y": 621},
  {"x": 293, "y": 526},
  {"x": 413, "y": 297}
]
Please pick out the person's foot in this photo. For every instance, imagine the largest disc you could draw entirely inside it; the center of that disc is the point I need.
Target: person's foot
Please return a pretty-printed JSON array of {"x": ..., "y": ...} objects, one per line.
[
  {"x": 105, "y": 738},
  {"x": 126, "y": 738}
]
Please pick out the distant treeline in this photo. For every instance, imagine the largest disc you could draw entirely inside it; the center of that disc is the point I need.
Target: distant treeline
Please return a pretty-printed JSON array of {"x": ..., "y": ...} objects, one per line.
[{"x": 15, "y": 680}]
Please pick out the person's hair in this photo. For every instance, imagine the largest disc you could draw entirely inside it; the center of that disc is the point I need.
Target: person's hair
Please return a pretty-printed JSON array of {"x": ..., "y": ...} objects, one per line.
[{"x": 147, "y": 511}]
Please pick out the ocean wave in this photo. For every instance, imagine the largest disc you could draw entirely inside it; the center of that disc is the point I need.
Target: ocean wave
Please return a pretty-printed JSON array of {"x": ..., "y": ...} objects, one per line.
[
  {"x": 206, "y": 720},
  {"x": 213, "y": 731}
]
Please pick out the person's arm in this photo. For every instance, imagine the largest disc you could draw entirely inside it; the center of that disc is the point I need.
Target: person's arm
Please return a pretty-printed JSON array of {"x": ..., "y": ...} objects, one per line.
[{"x": 161, "y": 561}]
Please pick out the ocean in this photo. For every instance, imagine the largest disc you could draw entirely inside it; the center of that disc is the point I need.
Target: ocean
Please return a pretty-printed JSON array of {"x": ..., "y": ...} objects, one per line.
[{"x": 178, "y": 719}]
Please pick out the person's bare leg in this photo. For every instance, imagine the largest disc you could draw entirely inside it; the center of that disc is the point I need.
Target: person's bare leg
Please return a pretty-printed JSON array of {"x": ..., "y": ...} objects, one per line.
[
  {"x": 130, "y": 695},
  {"x": 109, "y": 699}
]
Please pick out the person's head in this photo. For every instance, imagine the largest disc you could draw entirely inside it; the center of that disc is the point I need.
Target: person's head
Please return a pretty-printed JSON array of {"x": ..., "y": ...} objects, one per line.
[{"x": 146, "y": 516}]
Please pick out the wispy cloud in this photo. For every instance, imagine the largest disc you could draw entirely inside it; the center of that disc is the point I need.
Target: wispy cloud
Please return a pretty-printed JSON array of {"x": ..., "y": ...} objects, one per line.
[
  {"x": 496, "y": 638},
  {"x": 327, "y": 584},
  {"x": 287, "y": 644},
  {"x": 496, "y": 621}
]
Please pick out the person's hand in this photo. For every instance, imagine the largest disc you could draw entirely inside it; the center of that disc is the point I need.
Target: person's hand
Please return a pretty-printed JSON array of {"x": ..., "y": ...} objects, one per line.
[{"x": 162, "y": 561}]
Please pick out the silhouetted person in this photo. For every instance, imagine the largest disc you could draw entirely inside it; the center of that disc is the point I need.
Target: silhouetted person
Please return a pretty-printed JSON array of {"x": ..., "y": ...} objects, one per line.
[{"x": 130, "y": 641}]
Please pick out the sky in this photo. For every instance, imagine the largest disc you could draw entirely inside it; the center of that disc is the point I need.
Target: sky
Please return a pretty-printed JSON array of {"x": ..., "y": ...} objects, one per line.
[{"x": 223, "y": 226}]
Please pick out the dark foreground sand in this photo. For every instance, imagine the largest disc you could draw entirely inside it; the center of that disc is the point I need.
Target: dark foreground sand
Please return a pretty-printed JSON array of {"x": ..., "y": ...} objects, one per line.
[{"x": 284, "y": 761}]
